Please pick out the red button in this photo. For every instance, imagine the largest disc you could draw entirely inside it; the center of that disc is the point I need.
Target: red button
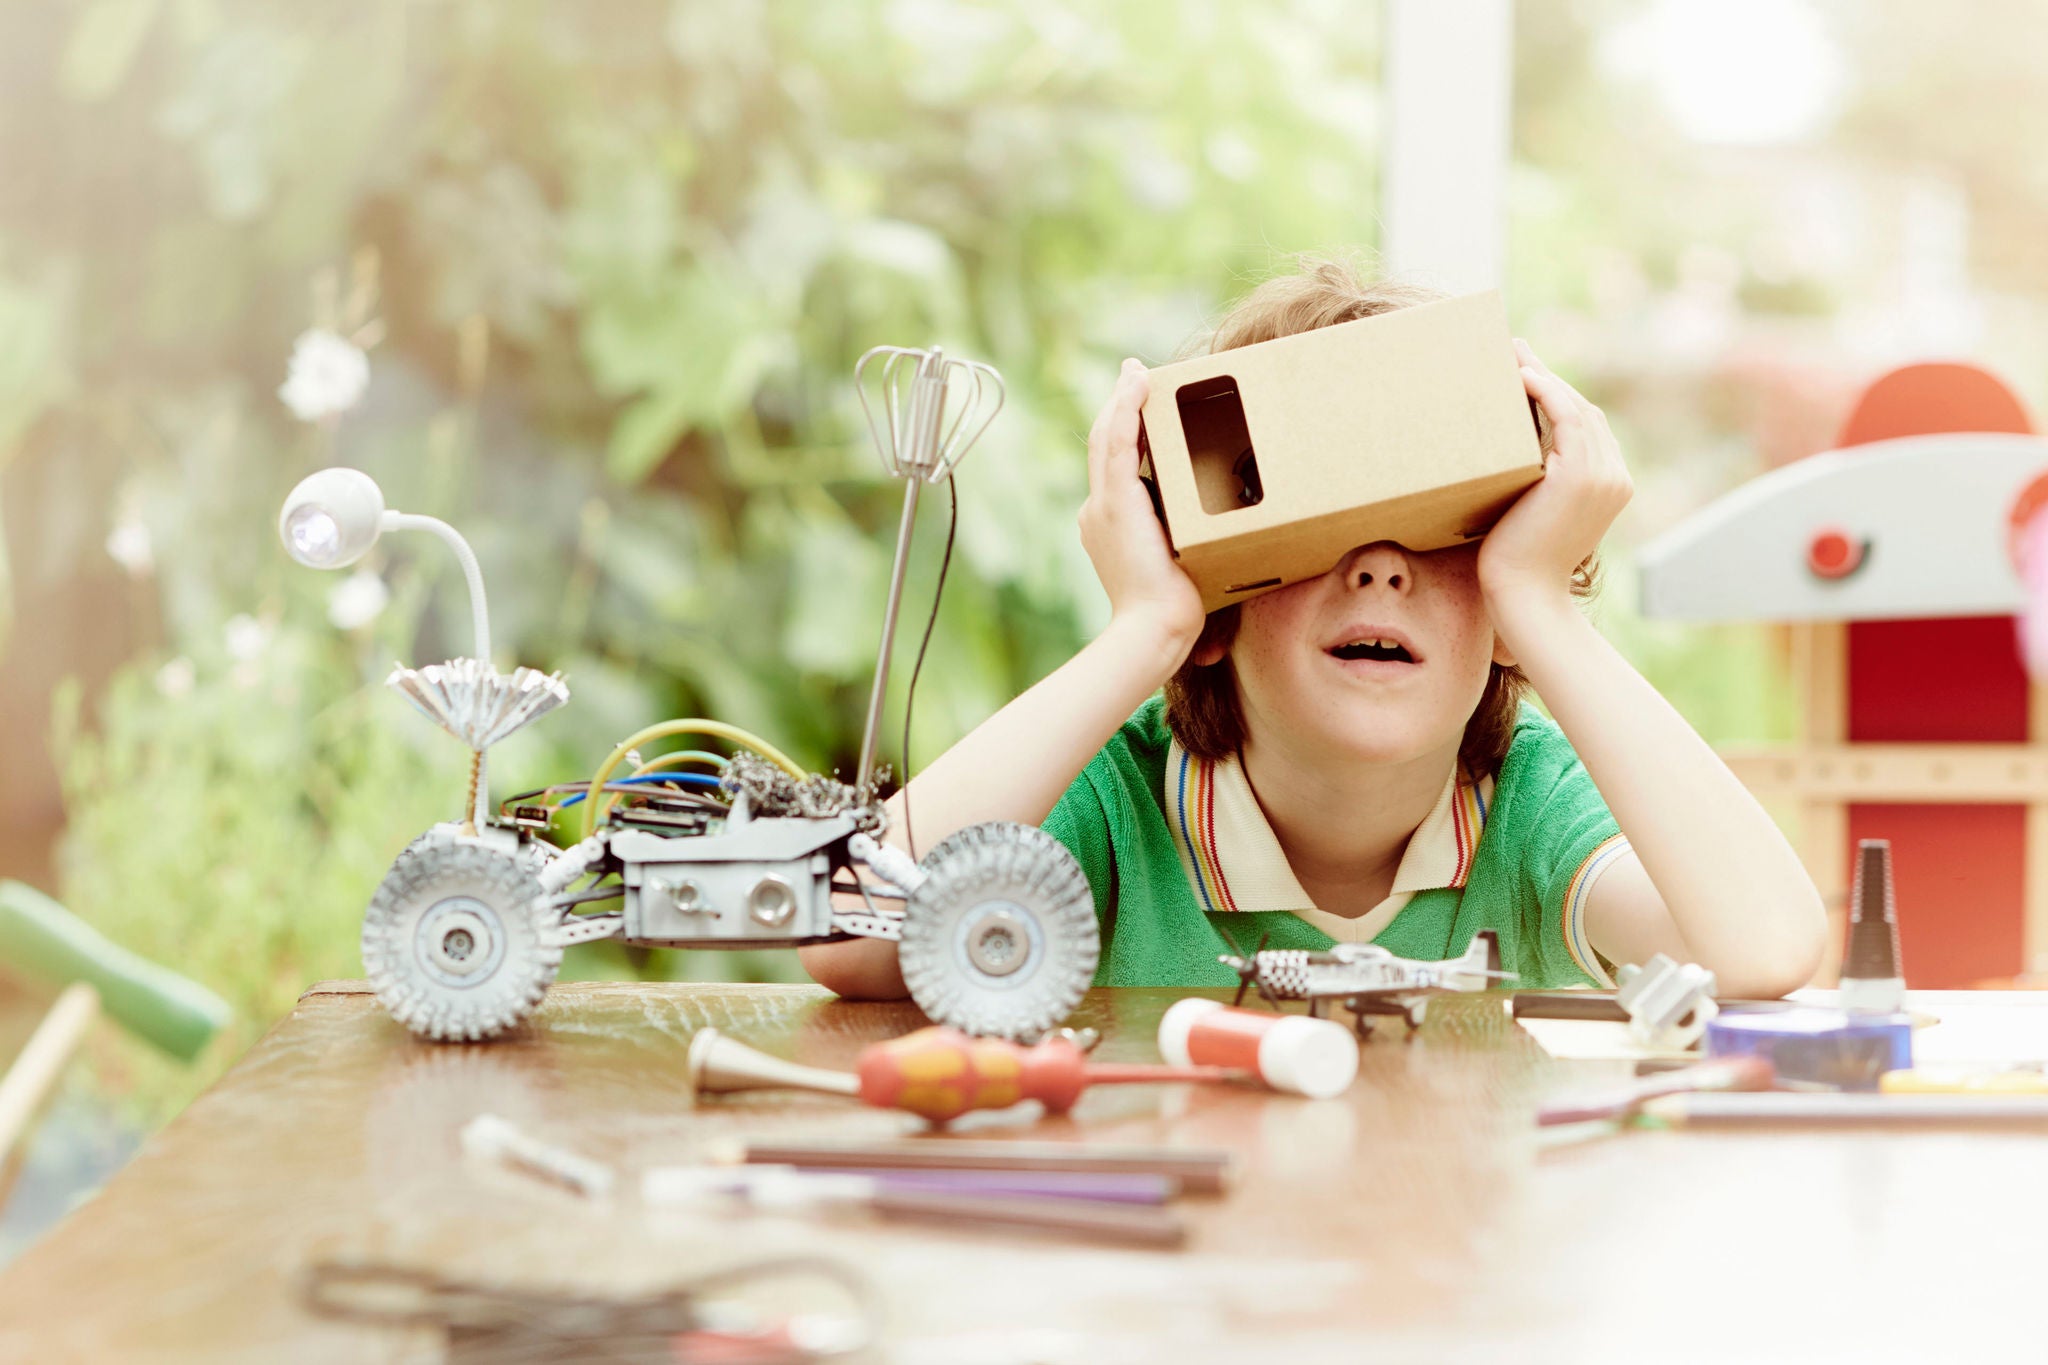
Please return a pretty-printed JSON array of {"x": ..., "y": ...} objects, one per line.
[{"x": 1832, "y": 554}]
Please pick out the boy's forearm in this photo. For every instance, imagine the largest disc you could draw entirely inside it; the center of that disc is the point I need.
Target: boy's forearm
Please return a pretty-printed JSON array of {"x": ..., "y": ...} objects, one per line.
[
  {"x": 1014, "y": 766},
  {"x": 1733, "y": 886}
]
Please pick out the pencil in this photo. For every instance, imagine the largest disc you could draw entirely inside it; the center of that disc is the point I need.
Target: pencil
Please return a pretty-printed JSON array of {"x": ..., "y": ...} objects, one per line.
[
  {"x": 1567, "y": 1005},
  {"x": 889, "y": 1195},
  {"x": 1198, "y": 1171},
  {"x": 1137, "y": 1224},
  {"x": 1576, "y": 1004},
  {"x": 1837, "y": 1109},
  {"x": 1721, "y": 1074}
]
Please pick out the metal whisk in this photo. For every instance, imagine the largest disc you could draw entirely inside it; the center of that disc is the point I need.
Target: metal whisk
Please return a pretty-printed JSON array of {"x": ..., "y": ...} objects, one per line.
[{"x": 922, "y": 446}]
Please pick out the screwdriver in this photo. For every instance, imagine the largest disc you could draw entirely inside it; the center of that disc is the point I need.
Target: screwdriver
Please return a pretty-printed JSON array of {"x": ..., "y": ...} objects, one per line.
[{"x": 936, "y": 1073}]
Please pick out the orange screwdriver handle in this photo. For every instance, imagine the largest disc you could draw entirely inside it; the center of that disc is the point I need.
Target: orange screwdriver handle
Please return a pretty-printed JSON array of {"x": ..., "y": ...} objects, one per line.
[{"x": 940, "y": 1073}]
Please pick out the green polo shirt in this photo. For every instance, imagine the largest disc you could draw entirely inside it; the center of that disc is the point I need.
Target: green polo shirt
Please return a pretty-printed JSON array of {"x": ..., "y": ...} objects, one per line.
[{"x": 1172, "y": 893}]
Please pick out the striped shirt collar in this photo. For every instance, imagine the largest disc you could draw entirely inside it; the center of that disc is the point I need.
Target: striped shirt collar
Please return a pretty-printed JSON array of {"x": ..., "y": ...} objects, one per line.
[{"x": 1234, "y": 861}]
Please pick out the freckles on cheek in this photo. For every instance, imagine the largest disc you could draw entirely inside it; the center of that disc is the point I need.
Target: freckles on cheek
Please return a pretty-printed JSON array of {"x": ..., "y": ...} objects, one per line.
[
  {"x": 1456, "y": 607},
  {"x": 1261, "y": 658},
  {"x": 1257, "y": 673}
]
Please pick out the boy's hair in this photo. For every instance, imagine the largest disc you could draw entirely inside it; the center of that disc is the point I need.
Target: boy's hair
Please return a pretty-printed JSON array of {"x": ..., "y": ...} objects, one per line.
[{"x": 1201, "y": 702}]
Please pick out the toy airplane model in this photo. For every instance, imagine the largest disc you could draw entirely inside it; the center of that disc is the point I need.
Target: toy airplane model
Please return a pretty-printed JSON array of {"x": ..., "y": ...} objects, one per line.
[
  {"x": 1365, "y": 978},
  {"x": 995, "y": 927}
]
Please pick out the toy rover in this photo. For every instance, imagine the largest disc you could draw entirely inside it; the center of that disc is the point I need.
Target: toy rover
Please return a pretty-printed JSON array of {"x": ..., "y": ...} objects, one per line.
[{"x": 995, "y": 926}]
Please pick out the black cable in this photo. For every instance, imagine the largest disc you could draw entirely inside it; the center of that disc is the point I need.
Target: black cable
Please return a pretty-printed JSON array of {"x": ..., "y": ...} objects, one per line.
[
  {"x": 653, "y": 794},
  {"x": 583, "y": 788},
  {"x": 910, "y": 692},
  {"x": 859, "y": 887}
]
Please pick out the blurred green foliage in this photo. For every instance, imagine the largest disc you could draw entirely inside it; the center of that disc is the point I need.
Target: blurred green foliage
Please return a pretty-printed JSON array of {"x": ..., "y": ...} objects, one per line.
[
  {"x": 619, "y": 259},
  {"x": 622, "y": 257}
]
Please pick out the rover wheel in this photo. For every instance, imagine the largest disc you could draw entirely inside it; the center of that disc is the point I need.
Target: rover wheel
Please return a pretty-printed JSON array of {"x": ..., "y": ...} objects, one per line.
[
  {"x": 453, "y": 941},
  {"x": 433, "y": 838},
  {"x": 1000, "y": 940},
  {"x": 534, "y": 853}
]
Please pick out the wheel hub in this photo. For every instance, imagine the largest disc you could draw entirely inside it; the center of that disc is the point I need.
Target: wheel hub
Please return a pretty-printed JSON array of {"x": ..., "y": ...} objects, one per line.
[
  {"x": 460, "y": 941},
  {"x": 998, "y": 940}
]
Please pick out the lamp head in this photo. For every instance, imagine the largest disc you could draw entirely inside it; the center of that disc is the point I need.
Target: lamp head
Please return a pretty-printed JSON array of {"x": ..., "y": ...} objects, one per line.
[{"x": 332, "y": 518}]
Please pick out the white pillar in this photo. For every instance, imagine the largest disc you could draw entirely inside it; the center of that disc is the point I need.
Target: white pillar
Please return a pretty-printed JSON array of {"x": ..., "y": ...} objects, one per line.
[{"x": 1449, "y": 75}]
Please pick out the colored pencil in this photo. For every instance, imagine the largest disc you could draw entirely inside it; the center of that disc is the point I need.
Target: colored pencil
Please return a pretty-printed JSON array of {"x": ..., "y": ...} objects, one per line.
[
  {"x": 1603, "y": 1005},
  {"x": 1722, "y": 1074},
  {"x": 1567, "y": 1005},
  {"x": 784, "y": 1189},
  {"x": 1135, "y": 1224},
  {"x": 1809, "y": 1107}
]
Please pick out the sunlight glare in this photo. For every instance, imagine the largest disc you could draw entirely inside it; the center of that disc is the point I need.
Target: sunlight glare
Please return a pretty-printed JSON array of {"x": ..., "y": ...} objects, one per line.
[{"x": 1734, "y": 71}]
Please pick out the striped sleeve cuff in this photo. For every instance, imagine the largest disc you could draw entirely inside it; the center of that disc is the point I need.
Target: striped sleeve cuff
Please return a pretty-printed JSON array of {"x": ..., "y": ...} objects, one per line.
[{"x": 1575, "y": 897}]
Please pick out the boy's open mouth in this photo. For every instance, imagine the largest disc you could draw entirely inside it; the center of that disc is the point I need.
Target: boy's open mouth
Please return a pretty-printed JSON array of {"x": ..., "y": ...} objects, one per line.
[{"x": 1381, "y": 648}]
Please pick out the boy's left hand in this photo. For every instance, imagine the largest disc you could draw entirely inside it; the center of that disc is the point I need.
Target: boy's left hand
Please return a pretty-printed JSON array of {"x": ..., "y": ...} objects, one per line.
[{"x": 1559, "y": 521}]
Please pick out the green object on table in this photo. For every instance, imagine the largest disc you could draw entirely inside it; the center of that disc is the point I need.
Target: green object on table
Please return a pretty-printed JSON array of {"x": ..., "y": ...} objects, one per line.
[{"x": 42, "y": 939}]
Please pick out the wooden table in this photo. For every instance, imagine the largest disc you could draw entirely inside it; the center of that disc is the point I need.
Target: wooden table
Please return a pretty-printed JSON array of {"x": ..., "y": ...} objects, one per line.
[{"x": 1413, "y": 1219}]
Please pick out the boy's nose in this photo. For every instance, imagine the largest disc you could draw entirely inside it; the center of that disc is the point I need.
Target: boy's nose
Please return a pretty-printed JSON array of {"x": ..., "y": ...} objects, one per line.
[{"x": 1381, "y": 564}]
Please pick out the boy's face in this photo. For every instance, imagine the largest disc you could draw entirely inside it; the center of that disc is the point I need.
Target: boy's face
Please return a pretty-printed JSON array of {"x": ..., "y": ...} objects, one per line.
[{"x": 1382, "y": 659}]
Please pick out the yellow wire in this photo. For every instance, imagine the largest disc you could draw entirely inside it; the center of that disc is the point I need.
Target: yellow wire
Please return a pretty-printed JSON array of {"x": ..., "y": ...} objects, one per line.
[
  {"x": 717, "y": 729},
  {"x": 676, "y": 759}
]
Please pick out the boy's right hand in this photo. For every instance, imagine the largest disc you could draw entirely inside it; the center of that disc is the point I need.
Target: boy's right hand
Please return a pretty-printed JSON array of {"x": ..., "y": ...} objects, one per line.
[{"x": 1122, "y": 533}]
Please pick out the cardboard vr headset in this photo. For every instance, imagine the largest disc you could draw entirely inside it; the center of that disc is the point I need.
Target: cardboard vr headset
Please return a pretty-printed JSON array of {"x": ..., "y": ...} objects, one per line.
[{"x": 1272, "y": 461}]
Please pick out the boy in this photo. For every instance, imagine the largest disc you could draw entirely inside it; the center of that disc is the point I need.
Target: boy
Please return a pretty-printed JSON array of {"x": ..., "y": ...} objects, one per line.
[{"x": 1347, "y": 758}]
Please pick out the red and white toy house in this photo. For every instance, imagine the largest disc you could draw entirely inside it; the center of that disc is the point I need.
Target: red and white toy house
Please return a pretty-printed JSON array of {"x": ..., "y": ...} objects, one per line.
[{"x": 1891, "y": 557}]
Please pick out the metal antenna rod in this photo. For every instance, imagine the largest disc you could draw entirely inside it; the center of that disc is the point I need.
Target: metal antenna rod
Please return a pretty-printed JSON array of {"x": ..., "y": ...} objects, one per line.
[
  {"x": 920, "y": 448},
  {"x": 917, "y": 456},
  {"x": 867, "y": 735}
]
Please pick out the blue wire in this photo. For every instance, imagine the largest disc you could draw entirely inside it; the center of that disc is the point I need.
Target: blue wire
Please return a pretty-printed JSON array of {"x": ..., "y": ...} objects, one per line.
[{"x": 704, "y": 781}]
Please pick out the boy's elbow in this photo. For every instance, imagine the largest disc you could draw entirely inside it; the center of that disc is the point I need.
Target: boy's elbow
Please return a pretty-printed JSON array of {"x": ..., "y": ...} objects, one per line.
[
  {"x": 1773, "y": 980},
  {"x": 1788, "y": 965},
  {"x": 864, "y": 969}
]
